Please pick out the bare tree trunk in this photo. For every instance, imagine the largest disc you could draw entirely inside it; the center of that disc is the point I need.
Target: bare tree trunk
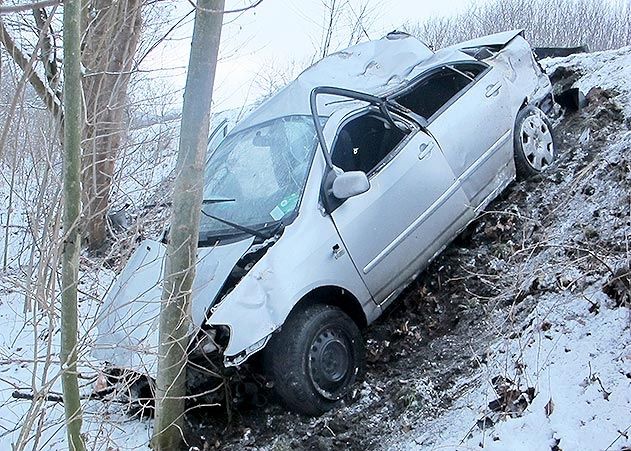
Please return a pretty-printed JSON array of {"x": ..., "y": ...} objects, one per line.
[
  {"x": 72, "y": 207},
  {"x": 110, "y": 44},
  {"x": 184, "y": 231}
]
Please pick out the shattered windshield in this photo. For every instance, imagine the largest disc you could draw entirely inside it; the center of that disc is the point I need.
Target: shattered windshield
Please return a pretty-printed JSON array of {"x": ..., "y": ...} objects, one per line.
[{"x": 256, "y": 176}]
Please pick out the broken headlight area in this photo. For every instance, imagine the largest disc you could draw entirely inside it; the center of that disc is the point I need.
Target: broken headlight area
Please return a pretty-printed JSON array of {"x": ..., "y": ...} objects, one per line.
[
  {"x": 208, "y": 382},
  {"x": 209, "y": 340}
]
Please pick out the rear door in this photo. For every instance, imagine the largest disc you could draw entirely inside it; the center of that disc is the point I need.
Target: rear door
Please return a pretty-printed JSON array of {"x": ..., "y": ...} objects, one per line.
[{"x": 466, "y": 106}]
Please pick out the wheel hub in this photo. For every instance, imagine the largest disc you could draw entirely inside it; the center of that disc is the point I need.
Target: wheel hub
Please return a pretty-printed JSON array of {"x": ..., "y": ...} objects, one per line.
[{"x": 329, "y": 363}]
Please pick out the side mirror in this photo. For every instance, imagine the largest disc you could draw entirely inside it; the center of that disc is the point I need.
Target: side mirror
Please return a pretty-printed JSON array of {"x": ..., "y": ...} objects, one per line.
[{"x": 349, "y": 184}]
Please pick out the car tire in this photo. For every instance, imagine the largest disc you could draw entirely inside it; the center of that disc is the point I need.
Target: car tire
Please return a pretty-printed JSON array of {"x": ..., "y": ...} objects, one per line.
[
  {"x": 315, "y": 358},
  {"x": 533, "y": 142}
]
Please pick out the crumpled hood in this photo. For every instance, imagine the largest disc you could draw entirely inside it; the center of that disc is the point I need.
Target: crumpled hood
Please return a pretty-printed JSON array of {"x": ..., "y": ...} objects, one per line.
[{"x": 129, "y": 317}]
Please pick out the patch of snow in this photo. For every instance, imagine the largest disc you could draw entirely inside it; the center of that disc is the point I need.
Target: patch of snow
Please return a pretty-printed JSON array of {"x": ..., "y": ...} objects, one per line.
[
  {"x": 581, "y": 364},
  {"x": 610, "y": 69}
]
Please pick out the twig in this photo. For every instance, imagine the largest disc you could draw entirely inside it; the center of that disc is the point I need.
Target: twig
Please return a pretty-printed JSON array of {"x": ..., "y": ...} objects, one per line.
[
  {"x": 226, "y": 11},
  {"x": 53, "y": 398},
  {"x": 620, "y": 434},
  {"x": 59, "y": 398}
]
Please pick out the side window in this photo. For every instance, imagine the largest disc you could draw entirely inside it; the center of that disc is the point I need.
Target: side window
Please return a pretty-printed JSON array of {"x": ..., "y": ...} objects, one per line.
[
  {"x": 471, "y": 70},
  {"x": 436, "y": 90},
  {"x": 364, "y": 142}
]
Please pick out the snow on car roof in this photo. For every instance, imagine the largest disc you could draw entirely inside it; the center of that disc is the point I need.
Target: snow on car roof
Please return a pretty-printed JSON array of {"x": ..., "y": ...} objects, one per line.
[{"x": 372, "y": 67}]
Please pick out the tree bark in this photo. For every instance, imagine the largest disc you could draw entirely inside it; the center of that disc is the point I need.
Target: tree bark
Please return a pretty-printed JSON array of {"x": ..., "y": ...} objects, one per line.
[
  {"x": 184, "y": 231},
  {"x": 72, "y": 207},
  {"x": 111, "y": 39}
]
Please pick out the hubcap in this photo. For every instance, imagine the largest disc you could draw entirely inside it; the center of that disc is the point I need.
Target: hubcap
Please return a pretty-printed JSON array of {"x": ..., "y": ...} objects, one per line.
[
  {"x": 536, "y": 141},
  {"x": 329, "y": 363}
]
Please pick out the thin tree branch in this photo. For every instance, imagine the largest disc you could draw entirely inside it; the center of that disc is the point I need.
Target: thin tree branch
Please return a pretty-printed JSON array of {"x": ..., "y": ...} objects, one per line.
[
  {"x": 28, "y": 6},
  {"x": 157, "y": 43},
  {"x": 226, "y": 11},
  {"x": 27, "y": 76},
  {"x": 44, "y": 93}
]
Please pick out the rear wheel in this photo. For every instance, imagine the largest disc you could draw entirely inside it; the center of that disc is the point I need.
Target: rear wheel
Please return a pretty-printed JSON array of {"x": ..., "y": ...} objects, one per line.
[
  {"x": 315, "y": 359},
  {"x": 534, "y": 144}
]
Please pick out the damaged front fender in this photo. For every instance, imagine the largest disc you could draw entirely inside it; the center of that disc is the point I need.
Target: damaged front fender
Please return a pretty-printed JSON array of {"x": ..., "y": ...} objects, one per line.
[{"x": 128, "y": 320}]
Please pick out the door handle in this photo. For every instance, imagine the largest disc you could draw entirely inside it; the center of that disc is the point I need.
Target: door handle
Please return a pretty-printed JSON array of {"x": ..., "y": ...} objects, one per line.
[
  {"x": 493, "y": 90},
  {"x": 425, "y": 150}
]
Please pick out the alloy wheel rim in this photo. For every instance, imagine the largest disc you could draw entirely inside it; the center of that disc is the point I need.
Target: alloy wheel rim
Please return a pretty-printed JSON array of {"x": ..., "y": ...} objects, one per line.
[{"x": 536, "y": 141}]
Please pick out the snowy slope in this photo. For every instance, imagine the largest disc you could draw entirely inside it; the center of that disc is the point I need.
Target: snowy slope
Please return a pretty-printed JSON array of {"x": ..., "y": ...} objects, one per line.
[{"x": 579, "y": 365}]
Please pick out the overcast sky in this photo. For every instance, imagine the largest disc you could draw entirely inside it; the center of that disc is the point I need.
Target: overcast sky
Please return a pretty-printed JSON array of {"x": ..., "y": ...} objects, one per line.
[{"x": 277, "y": 34}]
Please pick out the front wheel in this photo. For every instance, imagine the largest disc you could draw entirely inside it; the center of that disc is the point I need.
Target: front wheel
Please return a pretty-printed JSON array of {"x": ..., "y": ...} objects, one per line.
[
  {"x": 315, "y": 359},
  {"x": 534, "y": 144}
]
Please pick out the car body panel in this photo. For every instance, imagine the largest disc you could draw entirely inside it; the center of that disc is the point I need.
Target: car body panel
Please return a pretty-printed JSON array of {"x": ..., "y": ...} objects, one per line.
[
  {"x": 475, "y": 162},
  {"x": 492, "y": 40},
  {"x": 370, "y": 245},
  {"x": 411, "y": 199},
  {"x": 372, "y": 67},
  {"x": 302, "y": 260}
]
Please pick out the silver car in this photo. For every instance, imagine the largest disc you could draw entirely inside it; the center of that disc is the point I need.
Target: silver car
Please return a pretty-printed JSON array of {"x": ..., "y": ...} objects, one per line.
[{"x": 329, "y": 199}]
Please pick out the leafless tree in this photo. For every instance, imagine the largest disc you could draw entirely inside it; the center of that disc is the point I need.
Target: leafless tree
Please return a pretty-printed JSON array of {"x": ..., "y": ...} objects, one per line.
[
  {"x": 601, "y": 24},
  {"x": 110, "y": 36},
  {"x": 72, "y": 212},
  {"x": 184, "y": 227},
  {"x": 112, "y": 31},
  {"x": 342, "y": 25}
]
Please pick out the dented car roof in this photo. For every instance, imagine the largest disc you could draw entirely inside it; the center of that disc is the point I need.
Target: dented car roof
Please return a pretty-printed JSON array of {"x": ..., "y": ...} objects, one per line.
[{"x": 374, "y": 67}]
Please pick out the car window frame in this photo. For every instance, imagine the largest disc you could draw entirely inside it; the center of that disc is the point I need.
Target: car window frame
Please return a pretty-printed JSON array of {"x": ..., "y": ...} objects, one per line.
[
  {"x": 414, "y": 129},
  {"x": 486, "y": 68}
]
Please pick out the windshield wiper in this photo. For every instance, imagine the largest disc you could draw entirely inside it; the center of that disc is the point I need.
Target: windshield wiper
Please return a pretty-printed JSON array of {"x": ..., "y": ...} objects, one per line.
[
  {"x": 204, "y": 202},
  {"x": 234, "y": 225},
  {"x": 216, "y": 201}
]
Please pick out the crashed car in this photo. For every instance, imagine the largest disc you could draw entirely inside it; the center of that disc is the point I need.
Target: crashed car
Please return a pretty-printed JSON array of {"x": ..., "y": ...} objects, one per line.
[{"x": 330, "y": 198}]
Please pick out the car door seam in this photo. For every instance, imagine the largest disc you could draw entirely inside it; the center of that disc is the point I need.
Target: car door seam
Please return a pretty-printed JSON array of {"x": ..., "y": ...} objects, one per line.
[
  {"x": 485, "y": 156},
  {"x": 458, "y": 95},
  {"x": 435, "y": 206},
  {"x": 412, "y": 227},
  {"x": 384, "y": 303}
]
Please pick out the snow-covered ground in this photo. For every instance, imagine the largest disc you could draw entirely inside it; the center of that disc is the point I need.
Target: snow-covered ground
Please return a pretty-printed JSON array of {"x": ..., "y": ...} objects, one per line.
[
  {"x": 559, "y": 380},
  {"x": 579, "y": 365}
]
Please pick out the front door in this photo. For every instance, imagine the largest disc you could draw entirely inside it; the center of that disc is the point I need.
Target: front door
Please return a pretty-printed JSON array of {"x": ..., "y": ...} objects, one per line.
[{"x": 413, "y": 207}]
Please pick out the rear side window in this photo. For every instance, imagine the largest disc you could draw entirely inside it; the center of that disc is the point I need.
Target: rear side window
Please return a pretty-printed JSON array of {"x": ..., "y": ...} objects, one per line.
[
  {"x": 437, "y": 89},
  {"x": 364, "y": 142},
  {"x": 471, "y": 70}
]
